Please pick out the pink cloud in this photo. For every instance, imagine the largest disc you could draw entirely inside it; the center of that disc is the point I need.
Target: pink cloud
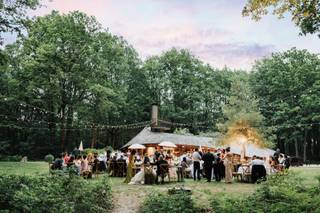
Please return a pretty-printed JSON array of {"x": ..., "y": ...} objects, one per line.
[{"x": 215, "y": 31}]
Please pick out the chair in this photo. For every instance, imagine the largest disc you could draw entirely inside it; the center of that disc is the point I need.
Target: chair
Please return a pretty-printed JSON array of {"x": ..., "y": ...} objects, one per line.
[
  {"x": 121, "y": 168},
  {"x": 258, "y": 172},
  {"x": 95, "y": 168},
  {"x": 163, "y": 171},
  {"x": 148, "y": 175},
  {"x": 113, "y": 168}
]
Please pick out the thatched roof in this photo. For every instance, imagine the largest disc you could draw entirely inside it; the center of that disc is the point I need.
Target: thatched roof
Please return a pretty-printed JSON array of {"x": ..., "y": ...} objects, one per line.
[{"x": 146, "y": 136}]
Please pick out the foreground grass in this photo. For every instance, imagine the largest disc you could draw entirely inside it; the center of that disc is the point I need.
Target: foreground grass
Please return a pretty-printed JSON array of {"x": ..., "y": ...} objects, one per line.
[
  {"x": 29, "y": 168},
  {"x": 128, "y": 198}
]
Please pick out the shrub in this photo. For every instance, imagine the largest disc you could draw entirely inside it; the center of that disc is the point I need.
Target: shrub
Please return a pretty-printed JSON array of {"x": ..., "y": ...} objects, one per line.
[
  {"x": 49, "y": 158},
  {"x": 178, "y": 202},
  {"x": 93, "y": 151},
  {"x": 54, "y": 194},
  {"x": 281, "y": 193}
]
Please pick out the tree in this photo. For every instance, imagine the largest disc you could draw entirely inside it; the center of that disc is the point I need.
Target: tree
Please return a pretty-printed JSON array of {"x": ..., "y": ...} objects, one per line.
[
  {"x": 287, "y": 85},
  {"x": 305, "y": 13},
  {"x": 187, "y": 90},
  {"x": 79, "y": 74},
  {"x": 13, "y": 14},
  {"x": 241, "y": 114}
]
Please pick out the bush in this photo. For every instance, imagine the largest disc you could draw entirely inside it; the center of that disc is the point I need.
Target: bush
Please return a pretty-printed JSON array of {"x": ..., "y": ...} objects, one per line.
[
  {"x": 281, "y": 193},
  {"x": 54, "y": 194},
  {"x": 49, "y": 158},
  {"x": 178, "y": 202},
  {"x": 93, "y": 151}
]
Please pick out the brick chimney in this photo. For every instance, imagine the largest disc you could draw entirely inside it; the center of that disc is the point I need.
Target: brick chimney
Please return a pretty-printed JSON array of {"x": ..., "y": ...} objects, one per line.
[{"x": 154, "y": 115}]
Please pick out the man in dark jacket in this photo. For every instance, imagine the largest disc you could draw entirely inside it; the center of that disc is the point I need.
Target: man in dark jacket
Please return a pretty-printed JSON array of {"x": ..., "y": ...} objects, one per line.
[
  {"x": 208, "y": 159},
  {"x": 162, "y": 168},
  {"x": 217, "y": 168}
]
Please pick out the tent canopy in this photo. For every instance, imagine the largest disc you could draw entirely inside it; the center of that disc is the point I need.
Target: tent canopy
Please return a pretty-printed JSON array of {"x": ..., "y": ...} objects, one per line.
[
  {"x": 167, "y": 144},
  {"x": 136, "y": 146}
]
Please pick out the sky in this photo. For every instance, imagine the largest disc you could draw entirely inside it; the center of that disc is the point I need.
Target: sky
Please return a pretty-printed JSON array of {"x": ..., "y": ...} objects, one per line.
[{"x": 213, "y": 30}]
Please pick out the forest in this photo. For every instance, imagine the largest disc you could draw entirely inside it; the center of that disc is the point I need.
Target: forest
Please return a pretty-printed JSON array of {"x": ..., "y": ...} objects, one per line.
[{"x": 68, "y": 80}]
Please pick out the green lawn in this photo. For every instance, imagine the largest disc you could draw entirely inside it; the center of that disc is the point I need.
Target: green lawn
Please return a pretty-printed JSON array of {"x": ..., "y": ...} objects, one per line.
[
  {"x": 129, "y": 197},
  {"x": 29, "y": 168}
]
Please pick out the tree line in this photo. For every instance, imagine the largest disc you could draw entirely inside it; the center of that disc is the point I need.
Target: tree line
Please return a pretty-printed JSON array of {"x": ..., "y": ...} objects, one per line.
[{"x": 69, "y": 80}]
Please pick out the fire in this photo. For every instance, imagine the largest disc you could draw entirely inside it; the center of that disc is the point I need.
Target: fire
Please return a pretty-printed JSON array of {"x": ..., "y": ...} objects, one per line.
[{"x": 241, "y": 133}]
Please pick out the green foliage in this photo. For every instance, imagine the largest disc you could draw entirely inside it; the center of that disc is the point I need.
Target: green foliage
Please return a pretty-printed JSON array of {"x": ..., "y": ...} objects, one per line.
[
  {"x": 53, "y": 194},
  {"x": 189, "y": 91},
  {"x": 13, "y": 15},
  {"x": 305, "y": 14},
  {"x": 93, "y": 151},
  {"x": 175, "y": 203},
  {"x": 281, "y": 193},
  {"x": 241, "y": 104},
  {"x": 49, "y": 158},
  {"x": 288, "y": 88}
]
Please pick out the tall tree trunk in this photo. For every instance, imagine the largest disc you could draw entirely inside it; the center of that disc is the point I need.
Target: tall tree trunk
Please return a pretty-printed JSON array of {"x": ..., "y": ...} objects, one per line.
[
  {"x": 312, "y": 147},
  {"x": 52, "y": 124},
  {"x": 305, "y": 144},
  {"x": 69, "y": 126},
  {"x": 94, "y": 136},
  {"x": 62, "y": 132},
  {"x": 296, "y": 146}
]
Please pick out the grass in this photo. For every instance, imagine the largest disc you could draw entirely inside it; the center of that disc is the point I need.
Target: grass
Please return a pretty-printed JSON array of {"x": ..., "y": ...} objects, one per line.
[
  {"x": 129, "y": 197},
  {"x": 19, "y": 168}
]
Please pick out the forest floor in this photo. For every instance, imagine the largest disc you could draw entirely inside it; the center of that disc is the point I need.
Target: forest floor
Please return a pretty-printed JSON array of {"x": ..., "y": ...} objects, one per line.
[{"x": 128, "y": 198}]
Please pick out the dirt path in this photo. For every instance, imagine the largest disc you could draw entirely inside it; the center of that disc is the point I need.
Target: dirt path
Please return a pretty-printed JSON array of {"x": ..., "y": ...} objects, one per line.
[{"x": 127, "y": 199}]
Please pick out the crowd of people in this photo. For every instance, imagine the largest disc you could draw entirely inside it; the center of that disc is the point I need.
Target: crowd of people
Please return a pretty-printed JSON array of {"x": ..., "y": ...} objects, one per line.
[
  {"x": 84, "y": 165},
  {"x": 143, "y": 169}
]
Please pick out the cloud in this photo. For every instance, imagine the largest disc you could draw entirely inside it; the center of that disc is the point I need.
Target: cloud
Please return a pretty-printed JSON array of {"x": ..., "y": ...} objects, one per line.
[
  {"x": 212, "y": 45},
  {"x": 234, "y": 55},
  {"x": 214, "y": 30}
]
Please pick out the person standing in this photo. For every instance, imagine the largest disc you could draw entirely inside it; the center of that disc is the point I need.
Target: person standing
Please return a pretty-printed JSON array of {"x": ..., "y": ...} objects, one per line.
[
  {"x": 228, "y": 167},
  {"x": 217, "y": 168},
  {"x": 196, "y": 158},
  {"x": 130, "y": 167},
  {"x": 208, "y": 159}
]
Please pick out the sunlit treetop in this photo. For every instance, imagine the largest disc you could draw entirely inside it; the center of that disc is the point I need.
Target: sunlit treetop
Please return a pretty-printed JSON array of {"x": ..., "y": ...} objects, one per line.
[{"x": 305, "y": 13}]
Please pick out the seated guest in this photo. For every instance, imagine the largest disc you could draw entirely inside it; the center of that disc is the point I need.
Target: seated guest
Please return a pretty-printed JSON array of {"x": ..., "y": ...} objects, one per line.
[
  {"x": 84, "y": 164},
  {"x": 66, "y": 158},
  {"x": 85, "y": 168},
  {"x": 258, "y": 170},
  {"x": 162, "y": 169},
  {"x": 77, "y": 163},
  {"x": 121, "y": 166},
  {"x": 70, "y": 161},
  {"x": 95, "y": 164},
  {"x": 57, "y": 164},
  {"x": 146, "y": 159},
  {"x": 102, "y": 162},
  {"x": 113, "y": 166},
  {"x": 256, "y": 161}
]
